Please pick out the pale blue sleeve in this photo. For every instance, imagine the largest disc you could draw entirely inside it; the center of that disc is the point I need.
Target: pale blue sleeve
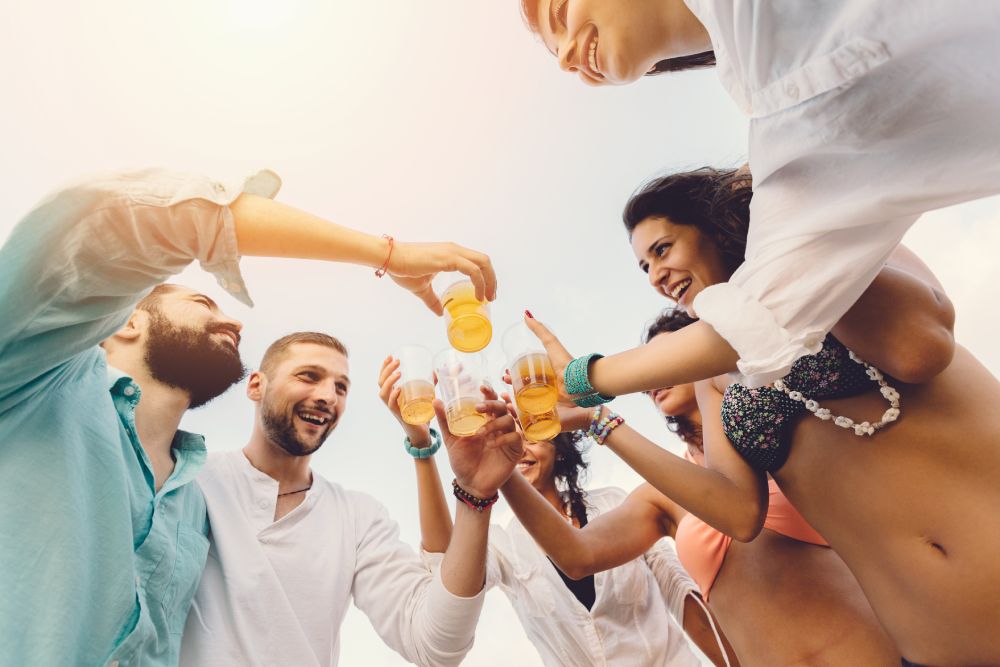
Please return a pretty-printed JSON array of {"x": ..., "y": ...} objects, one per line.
[{"x": 73, "y": 268}]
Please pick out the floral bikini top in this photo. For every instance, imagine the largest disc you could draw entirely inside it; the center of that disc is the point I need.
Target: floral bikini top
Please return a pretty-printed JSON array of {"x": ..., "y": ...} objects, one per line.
[{"x": 758, "y": 421}]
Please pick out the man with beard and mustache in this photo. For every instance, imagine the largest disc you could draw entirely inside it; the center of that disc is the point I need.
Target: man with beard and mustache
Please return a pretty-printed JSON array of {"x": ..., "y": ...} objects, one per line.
[
  {"x": 104, "y": 536},
  {"x": 290, "y": 549}
]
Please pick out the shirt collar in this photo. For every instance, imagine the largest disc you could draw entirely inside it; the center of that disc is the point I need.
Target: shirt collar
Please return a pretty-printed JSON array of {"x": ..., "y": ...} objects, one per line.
[{"x": 189, "y": 448}]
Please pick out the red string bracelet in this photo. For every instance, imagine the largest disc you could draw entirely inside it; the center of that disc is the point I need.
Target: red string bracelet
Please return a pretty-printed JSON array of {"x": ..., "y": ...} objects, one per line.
[{"x": 385, "y": 267}]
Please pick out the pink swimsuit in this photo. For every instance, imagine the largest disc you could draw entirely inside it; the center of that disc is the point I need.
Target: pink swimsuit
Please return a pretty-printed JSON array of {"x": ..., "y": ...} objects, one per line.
[{"x": 702, "y": 548}]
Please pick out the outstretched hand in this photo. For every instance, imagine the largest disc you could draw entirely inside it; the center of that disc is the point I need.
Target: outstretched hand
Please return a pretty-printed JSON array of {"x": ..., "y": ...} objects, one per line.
[
  {"x": 414, "y": 265},
  {"x": 558, "y": 355},
  {"x": 482, "y": 462},
  {"x": 419, "y": 434}
]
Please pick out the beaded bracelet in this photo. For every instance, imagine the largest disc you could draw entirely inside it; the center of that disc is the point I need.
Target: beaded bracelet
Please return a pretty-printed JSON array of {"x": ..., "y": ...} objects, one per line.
[
  {"x": 576, "y": 377},
  {"x": 473, "y": 502},
  {"x": 423, "y": 452},
  {"x": 600, "y": 429}
]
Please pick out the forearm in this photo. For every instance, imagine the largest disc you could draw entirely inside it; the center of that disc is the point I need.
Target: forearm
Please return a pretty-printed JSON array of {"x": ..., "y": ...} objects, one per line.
[
  {"x": 707, "y": 494},
  {"x": 694, "y": 353},
  {"x": 267, "y": 228},
  {"x": 463, "y": 570},
  {"x": 563, "y": 543},
  {"x": 435, "y": 519}
]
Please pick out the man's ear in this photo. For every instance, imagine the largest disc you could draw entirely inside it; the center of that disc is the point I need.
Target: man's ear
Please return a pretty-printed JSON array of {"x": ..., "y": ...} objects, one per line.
[
  {"x": 137, "y": 324},
  {"x": 256, "y": 386}
]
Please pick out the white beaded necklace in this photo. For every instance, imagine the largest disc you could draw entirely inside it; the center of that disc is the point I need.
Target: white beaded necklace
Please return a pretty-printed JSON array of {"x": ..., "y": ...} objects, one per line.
[{"x": 863, "y": 428}]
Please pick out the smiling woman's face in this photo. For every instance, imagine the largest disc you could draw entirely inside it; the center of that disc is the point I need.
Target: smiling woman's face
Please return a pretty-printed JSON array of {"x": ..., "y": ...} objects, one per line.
[
  {"x": 679, "y": 259},
  {"x": 610, "y": 41}
]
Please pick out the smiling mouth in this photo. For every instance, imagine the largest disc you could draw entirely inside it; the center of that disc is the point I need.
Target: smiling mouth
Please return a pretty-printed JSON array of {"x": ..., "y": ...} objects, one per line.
[
  {"x": 660, "y": 393},
  {"x": 231, "y": 337},
  {"x": 314, "y": 417},
  {"x": 524, "y": 465},
  {"x": 679, "y": 288},
  {"x": 592, "y": 56}
]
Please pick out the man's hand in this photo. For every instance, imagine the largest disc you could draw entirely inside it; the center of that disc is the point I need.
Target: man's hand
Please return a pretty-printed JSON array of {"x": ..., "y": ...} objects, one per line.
[
  {"x": 419, "y": 435},
  {"x": 483, "y": 462},
  {"x": 413, "y": 266}
]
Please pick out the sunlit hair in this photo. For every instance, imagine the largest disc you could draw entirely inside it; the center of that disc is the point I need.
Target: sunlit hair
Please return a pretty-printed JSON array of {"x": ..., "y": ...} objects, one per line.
[
  {"x": 668, "y": 321},
  {"x": 151, "y": 302},
  {"x": 568, "y": 469},
  {"x": 276, "y": 351},
  {"x": 716, "y": 201}
]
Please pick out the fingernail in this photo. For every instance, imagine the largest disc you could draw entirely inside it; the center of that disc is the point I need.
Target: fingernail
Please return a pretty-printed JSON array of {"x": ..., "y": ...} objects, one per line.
[{"x": 528, "y": 313}]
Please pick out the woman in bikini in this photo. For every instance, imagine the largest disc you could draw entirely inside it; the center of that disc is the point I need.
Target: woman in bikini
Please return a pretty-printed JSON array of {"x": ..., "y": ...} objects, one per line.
[
  {"x": 898, "y": 477},
  {"x": 786, "y": 578}
]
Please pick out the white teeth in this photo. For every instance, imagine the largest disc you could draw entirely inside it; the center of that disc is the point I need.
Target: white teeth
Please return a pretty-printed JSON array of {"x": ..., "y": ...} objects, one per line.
[
  {"x": 679, "y": 288},
  {"x": 318, "y": 420},
  {"x": 592, "y": 56}
]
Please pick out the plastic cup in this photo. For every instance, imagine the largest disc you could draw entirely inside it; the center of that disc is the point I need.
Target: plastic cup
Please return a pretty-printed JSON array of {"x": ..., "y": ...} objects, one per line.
[
  {"x": 468, "y": 318},
  {"x": 460, "y": 378},
  {"x": 416, "y": 384},
  {"x": 532, "y": 376}
]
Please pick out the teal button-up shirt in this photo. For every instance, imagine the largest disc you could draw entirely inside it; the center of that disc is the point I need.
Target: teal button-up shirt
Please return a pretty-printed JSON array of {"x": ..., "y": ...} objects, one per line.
[{"x": 96, "y": 567}]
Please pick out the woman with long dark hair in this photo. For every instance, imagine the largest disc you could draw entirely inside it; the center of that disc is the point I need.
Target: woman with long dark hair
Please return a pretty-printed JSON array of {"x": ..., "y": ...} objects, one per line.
[
  {"x": 864, "y": 114},
  {"x": 898, "y": 476},
  {"x": 618, "y": 617},
  {"x": 786, "y": 578}
]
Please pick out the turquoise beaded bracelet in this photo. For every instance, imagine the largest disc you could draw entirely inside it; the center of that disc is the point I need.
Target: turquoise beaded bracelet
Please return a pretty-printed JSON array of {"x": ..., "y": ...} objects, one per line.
[
  {"x": 423, "y": 452},
  {"x": 576, "y": 377}
]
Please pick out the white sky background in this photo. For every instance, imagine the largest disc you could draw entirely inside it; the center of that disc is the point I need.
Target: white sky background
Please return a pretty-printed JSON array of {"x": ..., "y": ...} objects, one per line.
[{"x": 428, "y": 121}]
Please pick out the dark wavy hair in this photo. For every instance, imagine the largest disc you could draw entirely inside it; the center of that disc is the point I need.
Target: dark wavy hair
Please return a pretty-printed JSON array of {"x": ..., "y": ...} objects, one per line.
[
  {"x": 716, "y": 201},
  {"x": 569, "y": 469},
  {"x": 674, "y": 319},
  {"x": 696, "y": 61}
]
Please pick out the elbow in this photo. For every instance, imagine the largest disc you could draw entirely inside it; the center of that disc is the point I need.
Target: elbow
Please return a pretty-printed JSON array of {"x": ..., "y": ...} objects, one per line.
[
  {"x": 923, "y": 360},
  {"x": 746, "y": 524}
]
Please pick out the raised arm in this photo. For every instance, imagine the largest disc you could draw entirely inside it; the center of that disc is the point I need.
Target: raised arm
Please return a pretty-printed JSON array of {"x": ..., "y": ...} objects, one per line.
[
  {"x": 607, "y": 541},
  {"x": 272, "y": 229},
  {"x": 435, "y": 519},
  {"x": 903, "y": 323},
  {"x": 73, "y": 269}
]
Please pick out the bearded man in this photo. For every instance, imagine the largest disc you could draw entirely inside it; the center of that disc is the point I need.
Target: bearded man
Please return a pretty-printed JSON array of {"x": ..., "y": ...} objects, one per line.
[
  {"x": 290, "y": 549},
  {"x": 104, "y": 535}
]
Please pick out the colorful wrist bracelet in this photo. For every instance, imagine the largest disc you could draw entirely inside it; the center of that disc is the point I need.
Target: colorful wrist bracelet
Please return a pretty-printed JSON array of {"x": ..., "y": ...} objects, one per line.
[
  {"x": 576, "y": 377},
  {"x": 601, "y": 428},
  {"x": 423, "y": 452},
  {"x": 475, "y": 503}
]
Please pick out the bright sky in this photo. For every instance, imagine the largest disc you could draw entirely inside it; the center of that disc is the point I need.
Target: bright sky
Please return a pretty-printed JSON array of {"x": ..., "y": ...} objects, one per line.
[{"x": 428, "y": 121}]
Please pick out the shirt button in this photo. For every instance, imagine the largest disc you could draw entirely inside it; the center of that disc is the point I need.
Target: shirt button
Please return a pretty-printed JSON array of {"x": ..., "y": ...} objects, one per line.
[
  {"x": 264, "y": 503},
  {"x": 792, "y": 91},
  {"x": 223, "y": 283},
  {"x": 129, "y": 390},
  {"x": 137, "y": 581}
]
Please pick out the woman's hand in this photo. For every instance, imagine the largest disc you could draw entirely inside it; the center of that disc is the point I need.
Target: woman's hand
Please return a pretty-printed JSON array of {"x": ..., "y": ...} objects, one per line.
[
  {"x": 419, "y": 435},
  {"x": 413, "y": 266}
]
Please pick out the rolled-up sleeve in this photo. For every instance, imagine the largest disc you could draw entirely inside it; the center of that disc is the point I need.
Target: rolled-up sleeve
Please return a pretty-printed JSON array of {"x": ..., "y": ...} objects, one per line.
[
  {"x": 73, "y": 268},
  {"x": 405, "y": 599}
]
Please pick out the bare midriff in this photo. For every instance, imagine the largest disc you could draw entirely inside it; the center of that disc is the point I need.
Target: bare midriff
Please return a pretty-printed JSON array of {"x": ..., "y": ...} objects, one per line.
[
  {"x": 785, "y": 602},
  {"x": 915, "y": 510}
]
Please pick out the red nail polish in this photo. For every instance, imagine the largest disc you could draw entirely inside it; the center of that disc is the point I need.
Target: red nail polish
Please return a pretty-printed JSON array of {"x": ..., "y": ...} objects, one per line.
[{"x": 528, "y": 313}]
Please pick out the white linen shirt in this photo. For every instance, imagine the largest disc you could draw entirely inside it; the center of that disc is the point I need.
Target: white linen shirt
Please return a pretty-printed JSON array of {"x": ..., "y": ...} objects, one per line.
[
  {"x": 275, "y": 593},
  {"x": 629, "y": 623},
  {"x": 864, "y": 114}
]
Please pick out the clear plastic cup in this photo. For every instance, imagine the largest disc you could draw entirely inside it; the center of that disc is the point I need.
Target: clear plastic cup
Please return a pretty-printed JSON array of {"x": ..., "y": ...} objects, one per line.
[
  {"x": 538, "y": 428},
  {"x": 468, "y": 318},
  {"x": 460, "y": 377},
  {"x": 416, "y": 384},
  {"x": 533, "y": 379}
]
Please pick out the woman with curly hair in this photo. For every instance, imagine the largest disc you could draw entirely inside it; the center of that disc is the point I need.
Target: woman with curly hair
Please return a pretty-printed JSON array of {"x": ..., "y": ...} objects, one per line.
[
  {"x": 863, "y": 115},
  {"x": 618, "y": 617},
  {"x": 787, "y": 578},
  {"x": 887, "y": 440}
]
